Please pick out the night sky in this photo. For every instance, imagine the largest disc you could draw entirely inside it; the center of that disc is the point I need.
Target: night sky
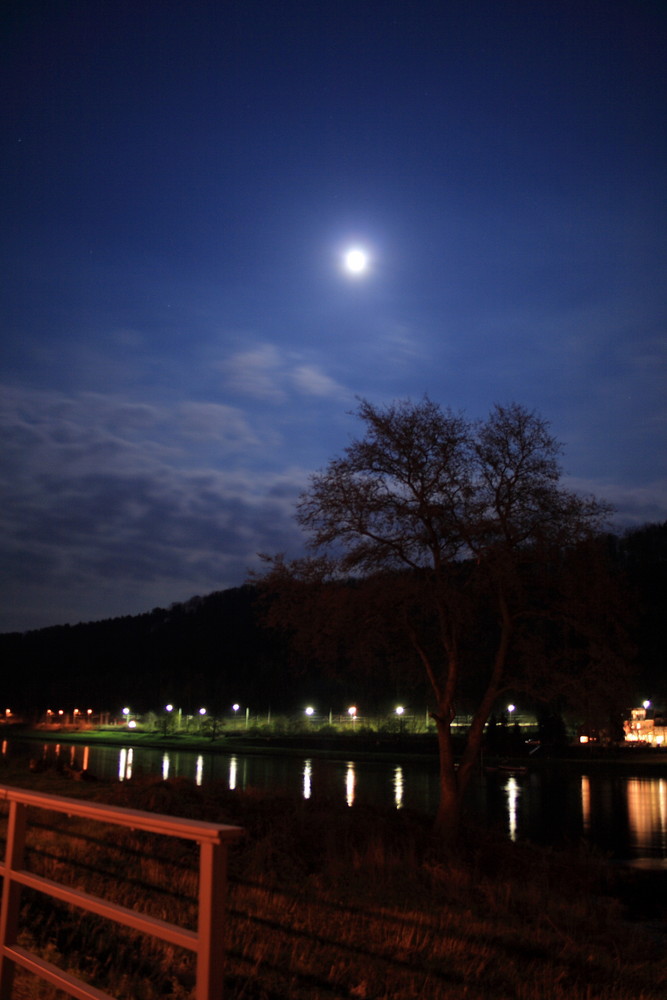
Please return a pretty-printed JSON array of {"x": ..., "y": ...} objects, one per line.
[{"x": 181, "y": 344}]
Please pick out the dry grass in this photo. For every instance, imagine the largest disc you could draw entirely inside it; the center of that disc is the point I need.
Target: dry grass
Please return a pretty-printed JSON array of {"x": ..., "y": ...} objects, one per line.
[{"x": 329, "y": 902}]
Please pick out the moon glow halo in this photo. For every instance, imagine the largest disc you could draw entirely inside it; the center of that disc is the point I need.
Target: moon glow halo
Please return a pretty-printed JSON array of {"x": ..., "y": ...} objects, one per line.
[{"x": 355, "y": 260}]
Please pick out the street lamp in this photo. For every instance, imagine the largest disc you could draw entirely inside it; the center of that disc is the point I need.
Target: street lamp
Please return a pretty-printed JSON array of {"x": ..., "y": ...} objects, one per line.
[
  {"x": 352, "y": 712},
  {"x": 310, "y": 710},
  {"x": 399, "y": 712}
]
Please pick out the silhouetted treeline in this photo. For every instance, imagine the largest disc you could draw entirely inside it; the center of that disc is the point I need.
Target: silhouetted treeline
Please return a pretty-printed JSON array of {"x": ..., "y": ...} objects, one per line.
[
  {"x": 642, "y": 555},
  {"x": 213, "y": 651},
  {"x": 203, "y": 652}
]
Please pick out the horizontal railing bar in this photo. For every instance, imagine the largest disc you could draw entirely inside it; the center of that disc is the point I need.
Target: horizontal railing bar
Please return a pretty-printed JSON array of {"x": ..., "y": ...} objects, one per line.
[
  {"x": 213, "y": 840},
  {"x": 57, "y": 977},
  {"x": 135, "y": 819},
  {"x": 112, "y": 911}
]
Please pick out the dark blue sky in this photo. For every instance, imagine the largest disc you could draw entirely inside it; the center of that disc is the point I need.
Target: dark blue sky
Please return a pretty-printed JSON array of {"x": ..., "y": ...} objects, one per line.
[{"x": 181, "y": 346}]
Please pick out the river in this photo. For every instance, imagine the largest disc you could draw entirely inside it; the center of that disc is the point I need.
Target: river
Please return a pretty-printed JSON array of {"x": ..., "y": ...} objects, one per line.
[{"x": 618, "y": 813}]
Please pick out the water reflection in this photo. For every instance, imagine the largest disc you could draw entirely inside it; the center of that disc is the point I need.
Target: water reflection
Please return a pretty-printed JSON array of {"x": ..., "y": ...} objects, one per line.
[
  {"x": 512, "y": 791},
  {"x": 586, "y": 802},
  {"x": 307, "y": 778},
  {"x": 398, "y": 787},
  {"x": 626, "y": 817},
  {"x": 350, "y": 782},
  {"x": 125, "y": 759},
  {"x": 647, "y": 809}
]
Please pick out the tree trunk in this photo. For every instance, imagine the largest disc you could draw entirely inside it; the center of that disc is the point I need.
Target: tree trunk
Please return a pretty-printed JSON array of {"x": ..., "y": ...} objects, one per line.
[{"x": 448, "y": 817}]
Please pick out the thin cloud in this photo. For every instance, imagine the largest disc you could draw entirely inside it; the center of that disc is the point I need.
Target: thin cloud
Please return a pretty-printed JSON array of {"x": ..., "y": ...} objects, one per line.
[
  {"x": 264, "y": 373},
  {"x": 90, "y": 516},
  {"x": 223, "y": 424},
  {"x": 310, "y": 380},
  {"x": 255, "y": 373}
]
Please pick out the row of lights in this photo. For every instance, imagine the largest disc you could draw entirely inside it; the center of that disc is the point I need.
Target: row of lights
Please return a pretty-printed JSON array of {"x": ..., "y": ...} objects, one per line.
[
  {"x": 75, "y": 713},
  {"x": 309, "y": 711}
]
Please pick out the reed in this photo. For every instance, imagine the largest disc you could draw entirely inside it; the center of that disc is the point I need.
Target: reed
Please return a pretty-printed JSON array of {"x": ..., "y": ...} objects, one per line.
[{"x": 330, "y": 902}]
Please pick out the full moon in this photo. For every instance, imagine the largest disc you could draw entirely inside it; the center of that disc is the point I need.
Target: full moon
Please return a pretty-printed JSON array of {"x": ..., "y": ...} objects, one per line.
[{"x": 356, "y": 260}]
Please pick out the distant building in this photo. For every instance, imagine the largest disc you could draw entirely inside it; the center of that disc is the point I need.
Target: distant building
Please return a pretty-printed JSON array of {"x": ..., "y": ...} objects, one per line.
[{"x": 646, "y": 725}]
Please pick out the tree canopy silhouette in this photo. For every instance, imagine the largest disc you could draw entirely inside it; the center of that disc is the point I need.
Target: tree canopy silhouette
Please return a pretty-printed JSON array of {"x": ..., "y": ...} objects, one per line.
[{"x": 460, "y": 537}]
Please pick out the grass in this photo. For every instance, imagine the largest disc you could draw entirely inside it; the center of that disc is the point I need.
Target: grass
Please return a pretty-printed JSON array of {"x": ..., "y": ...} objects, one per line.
[{"x": 329, "y": 902}]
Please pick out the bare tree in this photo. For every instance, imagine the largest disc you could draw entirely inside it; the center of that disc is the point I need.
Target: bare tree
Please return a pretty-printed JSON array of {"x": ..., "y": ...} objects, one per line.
[{"x": 458, "y": 525}]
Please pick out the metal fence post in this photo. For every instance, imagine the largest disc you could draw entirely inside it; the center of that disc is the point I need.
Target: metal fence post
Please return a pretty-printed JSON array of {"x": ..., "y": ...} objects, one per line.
[
  {"x": 212, "y": 919},
  {"x": 11, "y": 893},
  {"x": 207, "y": 943}
]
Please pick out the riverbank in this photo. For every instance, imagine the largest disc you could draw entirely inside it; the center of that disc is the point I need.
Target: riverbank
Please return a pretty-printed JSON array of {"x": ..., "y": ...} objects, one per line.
[
  {"x": 360, "y": 746},
  {"x": 364, "y": 903},
  {"x": 334, "y": 746}
]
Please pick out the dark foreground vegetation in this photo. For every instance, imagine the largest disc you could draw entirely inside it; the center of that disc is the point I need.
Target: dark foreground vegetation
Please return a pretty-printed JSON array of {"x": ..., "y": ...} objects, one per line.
[{"x": 330, "y": 902}]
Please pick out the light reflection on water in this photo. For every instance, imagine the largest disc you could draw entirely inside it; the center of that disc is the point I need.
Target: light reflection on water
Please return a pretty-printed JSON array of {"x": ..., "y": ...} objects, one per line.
[
  {"x": 307, "y": 778},
  {"x": 624, "y": 816},
  {"x": 350, "y": 783},
  {"x": 398, "y": 787},
  {"x": 125, "y": 758},
  {"x": 647, "y": 808},
  {"x": 586, "y": 801},
  {"x": 513, "y": 791}
]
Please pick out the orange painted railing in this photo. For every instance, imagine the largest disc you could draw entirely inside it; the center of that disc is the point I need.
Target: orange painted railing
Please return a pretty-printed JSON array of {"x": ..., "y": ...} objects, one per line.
[{"x": 208, "y": 941}]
